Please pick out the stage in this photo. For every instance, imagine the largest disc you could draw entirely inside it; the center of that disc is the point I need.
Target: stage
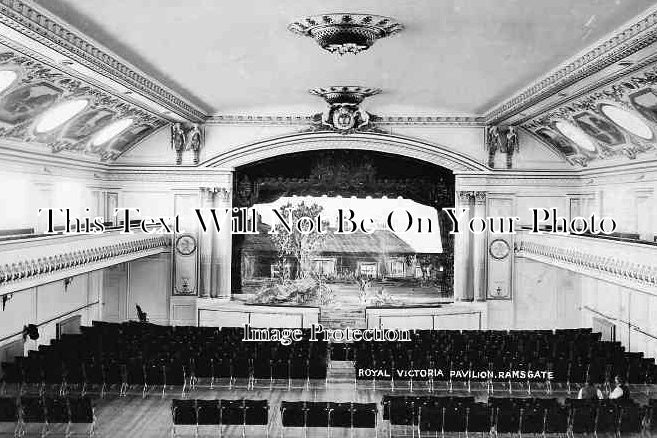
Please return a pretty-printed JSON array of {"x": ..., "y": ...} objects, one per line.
[{"x": 378, "y": 306}]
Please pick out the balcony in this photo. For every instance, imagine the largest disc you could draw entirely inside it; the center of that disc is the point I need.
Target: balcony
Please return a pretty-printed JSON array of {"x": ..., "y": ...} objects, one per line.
[
  {"x": 31, "y": 261},
  {"x": 626, "y": 263}
]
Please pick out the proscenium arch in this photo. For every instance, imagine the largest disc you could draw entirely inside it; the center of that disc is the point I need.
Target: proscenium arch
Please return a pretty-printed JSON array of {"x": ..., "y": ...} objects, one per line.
[{"x": 392, "y": 144}]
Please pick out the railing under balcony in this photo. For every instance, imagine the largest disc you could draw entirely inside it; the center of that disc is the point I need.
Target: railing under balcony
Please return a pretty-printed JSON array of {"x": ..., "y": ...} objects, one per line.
[
  {"x": 628, "y": 264},
  {"x": 33, "y": 261}
]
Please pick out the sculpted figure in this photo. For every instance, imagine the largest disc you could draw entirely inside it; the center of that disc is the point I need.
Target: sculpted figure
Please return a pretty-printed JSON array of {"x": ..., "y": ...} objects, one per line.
[
  {"x": 194, "y": 141},
  {"x": 178, "y": 141}
]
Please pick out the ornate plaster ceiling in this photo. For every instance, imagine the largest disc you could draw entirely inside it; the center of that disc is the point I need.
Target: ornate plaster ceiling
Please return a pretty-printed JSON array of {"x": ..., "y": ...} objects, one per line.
[
  {"x": 454, "y": 57},
  {"x": 43, "y": 104},
  {"x": 617, "y": 120}
]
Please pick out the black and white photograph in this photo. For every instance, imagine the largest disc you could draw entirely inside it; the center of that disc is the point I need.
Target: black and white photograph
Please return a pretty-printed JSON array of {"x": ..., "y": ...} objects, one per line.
[{"x": 365, "y": 218}]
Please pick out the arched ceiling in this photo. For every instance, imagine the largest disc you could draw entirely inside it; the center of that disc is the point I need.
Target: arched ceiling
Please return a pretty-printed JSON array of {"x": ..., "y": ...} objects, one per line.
[
  {"x": 103, "y": 125},
  {"x": 454, "y": 57},
  {"x": 457, "y": 62}
]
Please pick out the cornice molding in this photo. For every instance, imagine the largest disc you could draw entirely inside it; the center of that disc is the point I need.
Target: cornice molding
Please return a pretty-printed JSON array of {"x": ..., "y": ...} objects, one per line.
[
  {"x": 34, "y": 70},
  {"x": 305, "y": 120},
  {"x": 625, "y": 41},
  {"x": 611, "y": 145},
  {"x": 24, "y": 153},
  {"x": 33, "y": 21},
  {"x": 590, "y": 88}
]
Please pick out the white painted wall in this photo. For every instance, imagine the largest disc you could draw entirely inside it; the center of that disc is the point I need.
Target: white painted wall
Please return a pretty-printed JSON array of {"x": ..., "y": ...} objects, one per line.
[
  {"x": 221, "y": 138},
  {"x": 620, "y": 305},
  {"x": 109, "y": 294},
  {"x": 50, "y": 303},
  {"x": 146, "y": 282},
  {"x": 548, "y": 297},
  {"x": 25, "y": 193}
]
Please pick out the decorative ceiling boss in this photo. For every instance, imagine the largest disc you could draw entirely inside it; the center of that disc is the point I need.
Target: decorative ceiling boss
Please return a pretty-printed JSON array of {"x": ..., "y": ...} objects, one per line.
[
  {"x": 343, "y": 33},
  {"x": 344, "y": 113}
]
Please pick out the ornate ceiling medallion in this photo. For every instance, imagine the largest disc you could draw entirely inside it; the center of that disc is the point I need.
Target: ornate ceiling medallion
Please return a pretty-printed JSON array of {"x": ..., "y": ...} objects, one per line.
[
  {"x": 344, "y": 94},
  {"x": 344, "y": 114},
  {"x": 346, "y": 33}
]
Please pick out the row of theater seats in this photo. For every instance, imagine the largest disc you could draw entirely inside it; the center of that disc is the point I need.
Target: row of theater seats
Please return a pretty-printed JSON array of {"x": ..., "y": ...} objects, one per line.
[
  {"x": 150, "y": 355},
  {"x": 519, "y": 415},
  {"x": 244, "y": 413},
  {"x": 44, "y": 412},
  {"x": 572, "y": 355},
  {"x": 201, "y": 412}
]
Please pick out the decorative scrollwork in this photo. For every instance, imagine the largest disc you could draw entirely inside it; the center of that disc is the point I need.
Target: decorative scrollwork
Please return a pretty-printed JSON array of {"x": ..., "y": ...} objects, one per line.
[
  {"x": 24, "y": 269},
  {"x": 34, "y": 75},
  {"x": 642, "y": 274}
]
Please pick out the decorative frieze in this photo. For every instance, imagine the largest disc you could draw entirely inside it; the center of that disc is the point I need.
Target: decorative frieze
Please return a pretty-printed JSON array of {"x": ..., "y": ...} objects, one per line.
[
  {"x": 582, "y": 131},
  {"x": 24, "y": 267},
  {"x": 305, "y": 120},
  {"x": 32, "y": 20},
  {"x": 625, "y": 41},
  {"x": 40, "y": 86}
]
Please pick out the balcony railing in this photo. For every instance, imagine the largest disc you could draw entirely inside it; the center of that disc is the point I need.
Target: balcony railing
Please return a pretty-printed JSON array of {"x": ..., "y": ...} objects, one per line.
[
  {"x": 628, "y": 264},
  {"x": 30, "y": 262}
]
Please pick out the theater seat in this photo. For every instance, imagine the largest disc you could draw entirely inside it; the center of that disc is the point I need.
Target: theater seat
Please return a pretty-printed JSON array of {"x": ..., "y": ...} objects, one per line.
[{"x": 9, "y": 415}]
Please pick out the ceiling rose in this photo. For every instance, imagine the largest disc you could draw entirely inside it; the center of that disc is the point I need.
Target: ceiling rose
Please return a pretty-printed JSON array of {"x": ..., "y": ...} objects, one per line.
[
  {"x": 346, "y": 33},
  {"x": 350, "y": 94}
]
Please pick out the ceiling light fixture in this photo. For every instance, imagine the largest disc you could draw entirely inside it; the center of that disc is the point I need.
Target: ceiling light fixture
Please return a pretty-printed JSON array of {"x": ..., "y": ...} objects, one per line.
[
  {"x": 346, "y": 33},
  {"x": 7, "y": 77},
  {"x": 344, "y": 94},
  {"x": 627, "y": 121},
  {"x": 576, "y": 135},
  {"x": 110, "y": 131},
  {"x": 60, "y": 114}
]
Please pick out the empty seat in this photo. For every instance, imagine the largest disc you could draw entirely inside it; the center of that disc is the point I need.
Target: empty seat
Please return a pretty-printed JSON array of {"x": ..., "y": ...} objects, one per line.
[
  {"x": 57, "y": 410},
  {"x": 532, "y": 419},
  {"x": 293, "y": 414},
  {"x": 232, "y": 412},
  {"x": 208, "y": 412},
  {"x": 184, "y": 412},
  {"x": 32, "y": 410},
  {"x": 582, "y": 415},
  {"x": 403, "y": 411},
  {"x": 479, "y": 418},
  {"x": 317, "y": 414},
  {"x": 556, "y": 419},
  {"x": 340, "y": 414},
  {"x": 9, "y": 413},
  {"x": 256, "y": 412},
  {"x": 630, "y": 418},
  {"x": 364, "y": 415},
  {"x": 455, "y": 418},
  {"x": 607, "y": 418},
  {"x": 507, "y": 415}
]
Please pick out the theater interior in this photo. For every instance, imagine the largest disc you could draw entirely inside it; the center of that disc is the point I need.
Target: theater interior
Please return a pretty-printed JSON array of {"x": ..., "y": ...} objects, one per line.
[{"x": 460, "y": 195}]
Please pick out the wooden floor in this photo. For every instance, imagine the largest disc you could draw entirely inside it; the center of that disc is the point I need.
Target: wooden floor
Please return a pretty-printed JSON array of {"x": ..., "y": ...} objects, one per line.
[{"x": 150, "y": 416}]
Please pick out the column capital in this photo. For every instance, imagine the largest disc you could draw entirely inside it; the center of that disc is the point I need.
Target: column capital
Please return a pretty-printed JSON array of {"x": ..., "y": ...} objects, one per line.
[
  {"x": 211, "y": 190},
  {"x": 465, "y": 195},
  {"x": 222, "y": 194},
  {"x": 480, "y": 198}
]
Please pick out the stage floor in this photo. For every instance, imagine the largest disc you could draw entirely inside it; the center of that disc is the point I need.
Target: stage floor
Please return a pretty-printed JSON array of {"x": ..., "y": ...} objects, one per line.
[{"x": 348, "y": 296}]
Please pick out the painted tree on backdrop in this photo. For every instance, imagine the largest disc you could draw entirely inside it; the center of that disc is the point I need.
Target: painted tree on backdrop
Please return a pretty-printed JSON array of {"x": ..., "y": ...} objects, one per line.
[{"x": 299, "y": 244}]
